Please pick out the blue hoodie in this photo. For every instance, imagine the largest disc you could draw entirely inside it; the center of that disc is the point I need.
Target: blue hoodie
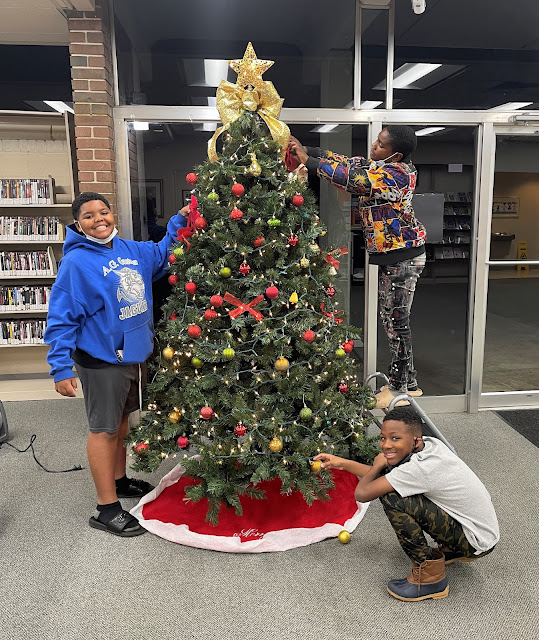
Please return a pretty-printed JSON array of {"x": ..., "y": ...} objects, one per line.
[{"x": 101, "y": 301}]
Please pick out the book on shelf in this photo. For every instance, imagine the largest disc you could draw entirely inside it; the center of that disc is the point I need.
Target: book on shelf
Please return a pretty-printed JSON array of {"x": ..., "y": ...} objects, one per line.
[
  {"x": 28, "y": 263},
  {"x": 451, "y": 196},
  {"x": 28, "y": 331},
  {"x": 24, "y": 298},
  {"x": 28, "y": 228},
  {"x": 27, "y": 191}
]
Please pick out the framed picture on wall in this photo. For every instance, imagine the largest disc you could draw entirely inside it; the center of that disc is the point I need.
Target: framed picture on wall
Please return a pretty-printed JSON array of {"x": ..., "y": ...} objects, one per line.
[
  {"x": 154, "y": 197},
  {"x": 186, "y": 197},
  {"x": 505, "y": 206}
]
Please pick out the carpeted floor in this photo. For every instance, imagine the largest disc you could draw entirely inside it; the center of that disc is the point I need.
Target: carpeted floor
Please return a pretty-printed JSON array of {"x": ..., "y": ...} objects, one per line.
[
  {"x": 526, "y": 422},
  {"x": 63, "y": 580}
]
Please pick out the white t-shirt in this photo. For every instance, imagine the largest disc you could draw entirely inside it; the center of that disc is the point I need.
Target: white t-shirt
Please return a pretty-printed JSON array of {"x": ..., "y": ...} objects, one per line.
[{"x": 443, "y": 478}]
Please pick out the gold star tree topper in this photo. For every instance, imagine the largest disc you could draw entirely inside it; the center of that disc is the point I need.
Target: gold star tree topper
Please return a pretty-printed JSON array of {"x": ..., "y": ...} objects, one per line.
[{"x": 250, "y": 69}]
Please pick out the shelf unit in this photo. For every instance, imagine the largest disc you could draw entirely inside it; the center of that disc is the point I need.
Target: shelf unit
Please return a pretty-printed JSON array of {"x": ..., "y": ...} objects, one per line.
[{"x": 33, "y": 145}]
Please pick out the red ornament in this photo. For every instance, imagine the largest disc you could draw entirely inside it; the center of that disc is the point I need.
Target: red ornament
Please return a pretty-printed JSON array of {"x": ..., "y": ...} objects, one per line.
[
  {"x": 272, "y": 292},
  {"x": 142, "y": 446},
  {"x": 330, "y": 292},
  {"x": 191, "y": 178},
  {"x": 293, "y": 240},
  {"x": 173, "y": 316},
  {"x": 348, "y": 346},
  {"x": 183, "y": 442},
  {"x": 343, "y": 387},
  {"x": 297, "y": 200},
  {"x": 240, "y": 430},
  {"x": 210, "y": 314},
  {"x": 194, "y": 331},
  {"x": 238, "y": 189},
  {"x": 206, "y": 413},
  {"x": 191, "y": 288},
  {"x": 259, "y": 241},
  {"x": 172, "y": 258},
  {"x": 309, "y": 335},
  {"x": 216, "y": 301},
  {"x": 236, "y": 214},
  {"x": 245, "y": 269},
  {"x": 173, "y": 279},
  {"x": 201, "y": 223}
]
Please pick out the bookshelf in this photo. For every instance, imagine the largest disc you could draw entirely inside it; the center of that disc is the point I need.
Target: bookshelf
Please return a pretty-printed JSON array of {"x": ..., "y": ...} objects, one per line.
[{"x": 37, "y": 186}]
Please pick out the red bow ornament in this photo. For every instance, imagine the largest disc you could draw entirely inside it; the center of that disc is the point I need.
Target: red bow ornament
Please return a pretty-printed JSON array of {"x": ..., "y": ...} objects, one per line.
[
  {"x": 333, "y": 314},
  {"x": 189, "y": 229},
  {"x": 331, "y": 260},
  {"x": 242, "y": 307}
]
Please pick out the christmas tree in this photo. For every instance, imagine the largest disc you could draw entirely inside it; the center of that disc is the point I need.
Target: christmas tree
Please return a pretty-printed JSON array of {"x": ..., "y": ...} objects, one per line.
[{"x": 255, "y": 375}]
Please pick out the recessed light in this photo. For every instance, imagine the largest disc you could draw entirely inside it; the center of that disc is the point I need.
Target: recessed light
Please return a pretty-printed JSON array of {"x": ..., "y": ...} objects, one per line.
[
  {"x": 428, "y": 131},
  {"x": 141, "y": 126},
  {"x": 324, "y": 128},
  {"x": 511, "y": 106}
]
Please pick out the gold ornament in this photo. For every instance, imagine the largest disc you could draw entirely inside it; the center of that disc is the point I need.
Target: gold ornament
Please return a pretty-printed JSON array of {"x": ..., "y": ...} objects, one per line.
[
  {"x": 275, "y": 445},
  {"x": 293, "y": 298},
  {"x": 255, "y": 169},
  {"x": 168, "y": 353},
  {"x": 344, "y": 537},
  {"x": 250, "y": 93},
  {"x": 316, "y": 466},
  {"x": 314, "y": 248},
  {"x": 281, "y": 364},
  {"x": 304, "y": 262},
  {"x": 174, "y": 416}
]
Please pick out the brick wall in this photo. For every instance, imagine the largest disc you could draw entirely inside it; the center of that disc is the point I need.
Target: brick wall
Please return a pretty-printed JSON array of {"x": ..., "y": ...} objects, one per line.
[{"x": 91, "y": 79}]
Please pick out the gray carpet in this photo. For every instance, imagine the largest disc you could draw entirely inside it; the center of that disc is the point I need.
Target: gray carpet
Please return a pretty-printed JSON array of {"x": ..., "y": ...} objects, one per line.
[{"x": 63, "y": 580}]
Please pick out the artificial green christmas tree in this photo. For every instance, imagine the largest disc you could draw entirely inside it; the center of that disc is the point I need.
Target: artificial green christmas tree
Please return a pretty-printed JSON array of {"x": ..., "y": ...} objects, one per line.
[{"x": 255, "y": 375}]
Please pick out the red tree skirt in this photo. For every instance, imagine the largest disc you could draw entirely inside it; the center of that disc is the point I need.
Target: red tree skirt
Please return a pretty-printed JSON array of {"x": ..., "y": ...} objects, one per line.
[{"x": 278, "y": 523}]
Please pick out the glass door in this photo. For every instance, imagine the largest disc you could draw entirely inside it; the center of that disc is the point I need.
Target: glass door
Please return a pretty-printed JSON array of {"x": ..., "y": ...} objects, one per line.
[{"x": 511, "y": 349}]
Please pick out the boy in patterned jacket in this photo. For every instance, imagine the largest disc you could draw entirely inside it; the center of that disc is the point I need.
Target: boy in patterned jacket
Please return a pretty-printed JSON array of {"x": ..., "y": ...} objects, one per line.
[{"x": 394, "y": 238}]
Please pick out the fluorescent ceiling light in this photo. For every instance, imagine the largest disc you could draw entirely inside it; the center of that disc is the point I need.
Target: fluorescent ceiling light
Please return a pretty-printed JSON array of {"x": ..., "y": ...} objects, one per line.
[
  {"x": 370, "y": 104},
  {"x": 215, "y": 71},
  {"x": 58, "y": 105},
  {"x": 212, "y": 101},
  {"x": 511, "y": 106},
  {"x": 209, "y": 126},
  {"x": 141, "y": 126},
  {"x": 325, "y": 128},
  {"x": 410, "y": 72},
  {"x": 428, "y": 131}
]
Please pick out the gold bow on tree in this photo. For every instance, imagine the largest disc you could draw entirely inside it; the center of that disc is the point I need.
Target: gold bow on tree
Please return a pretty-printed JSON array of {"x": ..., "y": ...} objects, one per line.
[{"x": 251, "y": 93}]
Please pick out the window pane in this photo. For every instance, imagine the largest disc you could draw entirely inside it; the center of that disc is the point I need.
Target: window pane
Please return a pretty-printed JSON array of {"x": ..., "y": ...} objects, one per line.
[
  {"x": 481, "y": 55},
  {"x": 174, "y": 53}
]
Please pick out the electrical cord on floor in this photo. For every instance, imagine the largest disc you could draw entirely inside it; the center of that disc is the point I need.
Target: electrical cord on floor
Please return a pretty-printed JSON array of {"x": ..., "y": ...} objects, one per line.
[{"x": 76, "y": 467}]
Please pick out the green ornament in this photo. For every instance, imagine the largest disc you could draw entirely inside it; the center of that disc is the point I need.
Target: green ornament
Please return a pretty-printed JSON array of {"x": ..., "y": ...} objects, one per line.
[
  {"x": 228, "y": 353},
  {"x": 225, "y": 272},
  {"x": 370, "y": 404},
  {"x": 340, "y": 353},
  {"x": 306, "y": 414},
  {"x": 178, "y": 252},
  {"x": 197, "y": 362},
  {"x": 274, "y": 222},
  {"x": 213, "y": 197}
]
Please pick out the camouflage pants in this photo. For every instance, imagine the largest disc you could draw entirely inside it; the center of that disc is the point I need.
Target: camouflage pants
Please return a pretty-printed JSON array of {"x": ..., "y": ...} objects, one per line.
[{"x": 412, "y": 516}]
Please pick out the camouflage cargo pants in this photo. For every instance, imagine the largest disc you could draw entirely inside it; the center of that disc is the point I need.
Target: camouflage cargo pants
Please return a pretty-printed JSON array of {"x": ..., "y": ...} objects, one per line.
[{"x": 412, "y": 516}]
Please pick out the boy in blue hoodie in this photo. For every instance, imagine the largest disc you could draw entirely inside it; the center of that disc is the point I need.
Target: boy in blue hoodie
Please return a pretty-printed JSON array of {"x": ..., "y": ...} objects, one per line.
[{"x": 100, "y": 320}]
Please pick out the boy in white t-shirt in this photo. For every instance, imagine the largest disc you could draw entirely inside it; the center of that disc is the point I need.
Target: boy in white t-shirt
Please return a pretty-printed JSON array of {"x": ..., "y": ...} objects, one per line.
[{"x": 424, "y": 487}]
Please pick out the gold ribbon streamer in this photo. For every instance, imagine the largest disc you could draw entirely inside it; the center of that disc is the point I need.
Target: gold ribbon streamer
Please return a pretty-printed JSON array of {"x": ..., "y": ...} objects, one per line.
[{"x": 233, "y": 101}]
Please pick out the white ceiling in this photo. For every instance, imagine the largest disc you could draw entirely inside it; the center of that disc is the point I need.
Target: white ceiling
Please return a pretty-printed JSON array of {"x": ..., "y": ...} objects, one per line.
[{"x": 37, "y": 21}]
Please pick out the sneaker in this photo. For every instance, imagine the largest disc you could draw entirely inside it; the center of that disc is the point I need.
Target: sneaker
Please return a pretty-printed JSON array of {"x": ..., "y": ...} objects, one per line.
[{"x": 134, "y": 489}]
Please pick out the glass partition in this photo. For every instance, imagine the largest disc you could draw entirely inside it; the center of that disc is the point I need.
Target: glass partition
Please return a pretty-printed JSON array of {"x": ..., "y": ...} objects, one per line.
[
  {"x": 511, "y": 359},
  {"x": 176, "y": 52}
]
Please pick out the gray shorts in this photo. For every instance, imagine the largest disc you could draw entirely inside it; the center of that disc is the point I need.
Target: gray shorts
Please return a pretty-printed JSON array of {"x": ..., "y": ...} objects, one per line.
[{"x": 109, "y": 394}]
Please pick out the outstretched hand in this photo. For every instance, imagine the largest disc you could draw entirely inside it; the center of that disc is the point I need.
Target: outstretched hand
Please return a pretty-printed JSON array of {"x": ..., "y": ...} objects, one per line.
[
  {"x": 329, "y": 461},
  {"x": 298, "y": 150}
]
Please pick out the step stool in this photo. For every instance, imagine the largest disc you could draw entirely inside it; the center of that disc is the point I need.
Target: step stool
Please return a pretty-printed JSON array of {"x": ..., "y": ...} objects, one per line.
[{"x": 429, "y": 428}]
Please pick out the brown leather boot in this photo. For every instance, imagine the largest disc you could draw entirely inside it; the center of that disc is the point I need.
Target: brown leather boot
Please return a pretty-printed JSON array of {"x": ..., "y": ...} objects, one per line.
[{"x": 427, "y": 580}]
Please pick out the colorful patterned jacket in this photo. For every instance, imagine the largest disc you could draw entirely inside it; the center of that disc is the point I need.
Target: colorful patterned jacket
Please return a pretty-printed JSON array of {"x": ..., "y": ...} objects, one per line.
[{"x": 385, "y": 200}]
